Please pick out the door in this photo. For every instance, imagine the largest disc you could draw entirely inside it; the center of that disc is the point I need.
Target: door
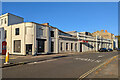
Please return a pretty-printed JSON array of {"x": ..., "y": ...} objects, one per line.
[
  {"x": 29, "y": 49},
  {"x": 52, "y": 46},
  {"x": 41, "y": 46},
  {"x": 80, "y": 47},
  {"x": 4, "y": 43}
]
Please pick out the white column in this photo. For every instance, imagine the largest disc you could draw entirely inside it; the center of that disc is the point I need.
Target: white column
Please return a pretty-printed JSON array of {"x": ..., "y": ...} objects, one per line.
[
  {"x": 57, "y": 41},
  {"x": 96, "y": 43}
]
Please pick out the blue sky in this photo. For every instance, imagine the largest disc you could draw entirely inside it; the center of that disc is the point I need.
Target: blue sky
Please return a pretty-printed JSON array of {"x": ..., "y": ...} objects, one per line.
[{"x": 68, "y": 16}]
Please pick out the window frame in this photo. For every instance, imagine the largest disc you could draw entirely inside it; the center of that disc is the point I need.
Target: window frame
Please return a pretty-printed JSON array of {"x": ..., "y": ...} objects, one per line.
[{"x": 17, "y": 32}]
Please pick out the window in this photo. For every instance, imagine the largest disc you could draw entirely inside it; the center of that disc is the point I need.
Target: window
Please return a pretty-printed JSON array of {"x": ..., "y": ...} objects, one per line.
[
  {"x": 61, "y": 46},
  {"x": 66, "y": 46},
  {"x": 41, "y": 32},
  {"x": 0, "y": 34},
  {"x": 52, "y": 46},
  {"x": 5, "y": 21},
  {"x": 1, "y": 21},
  {"x": 17, "y": 46},
  {"x": 5, "y": 34},
  {"x": 86, "y": 33},
  {"x": 76, "y": 46},
  {"x": 17, "y": 31},
  {"x": 52, "y": 33},
  {"x": 71, "y": 46}
]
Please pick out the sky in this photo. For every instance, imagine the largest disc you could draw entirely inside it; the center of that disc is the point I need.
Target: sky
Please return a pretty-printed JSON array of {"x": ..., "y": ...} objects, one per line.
[{"x": 68, "y": 16}]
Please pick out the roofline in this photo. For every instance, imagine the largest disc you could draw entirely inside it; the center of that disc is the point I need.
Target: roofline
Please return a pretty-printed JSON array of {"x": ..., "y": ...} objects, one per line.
[{"x": 7, "y": 14}]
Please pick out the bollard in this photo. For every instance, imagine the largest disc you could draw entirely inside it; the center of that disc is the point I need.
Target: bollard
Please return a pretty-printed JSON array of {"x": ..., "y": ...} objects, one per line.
[{"x": 7, "y": 58}]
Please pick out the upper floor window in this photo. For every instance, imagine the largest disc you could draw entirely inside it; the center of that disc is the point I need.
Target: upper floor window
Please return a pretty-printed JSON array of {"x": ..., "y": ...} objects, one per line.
[
  {"x": 5, "y": 34},
  {"x": 52, "y": 33},
  {"x": 0, "y": 34},
  {"x": 17, "y": 31},
  {"x": 5, "y": 21},
  {"x": 41, "y": 31},
  {"x": 86, "y": 33},
  {"x": 1, "y": 21}
]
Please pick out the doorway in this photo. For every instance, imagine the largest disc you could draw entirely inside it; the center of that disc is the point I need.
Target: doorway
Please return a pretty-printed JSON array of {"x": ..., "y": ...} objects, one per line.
[
  {"x": 41, "y": 46},
  {"x": 80, "y": 47},
  {"x": 52, "y": 46},
  {"x": 29, "y": 49}
]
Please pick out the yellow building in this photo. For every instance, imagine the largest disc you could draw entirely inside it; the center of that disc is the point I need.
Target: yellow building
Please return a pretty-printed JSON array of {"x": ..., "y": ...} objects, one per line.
[{"x": 106, "y": 35}]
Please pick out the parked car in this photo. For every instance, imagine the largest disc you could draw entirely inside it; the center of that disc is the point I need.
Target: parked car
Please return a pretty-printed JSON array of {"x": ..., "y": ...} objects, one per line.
[
  {"x": 118, "y": 49},
  {"x": 103, "y": 50},
  {"x": 109, "y": 49}
]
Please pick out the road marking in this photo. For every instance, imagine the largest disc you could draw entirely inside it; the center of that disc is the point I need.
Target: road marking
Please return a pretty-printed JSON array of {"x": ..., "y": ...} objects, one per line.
[
  {"x": 100, "y": 56},
  {"x": 95, "y": 68},
  {"x": 43, "y": 61},
  {"x": 88, "y": 60}
]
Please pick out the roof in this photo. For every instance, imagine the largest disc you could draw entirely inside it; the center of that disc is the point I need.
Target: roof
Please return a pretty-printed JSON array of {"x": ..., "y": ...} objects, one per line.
[
  {"x": 10, "y": 14},
  {"x": 52, "y": 27}
]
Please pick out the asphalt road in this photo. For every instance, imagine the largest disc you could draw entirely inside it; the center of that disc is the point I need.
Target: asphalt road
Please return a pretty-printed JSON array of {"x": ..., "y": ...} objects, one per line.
[{"x": 67, "y": 67}]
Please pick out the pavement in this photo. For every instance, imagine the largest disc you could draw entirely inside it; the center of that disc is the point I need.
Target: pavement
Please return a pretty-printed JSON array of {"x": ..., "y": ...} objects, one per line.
[
  {"x": 71, "y": 67},
  {"x": 109, "y": 71},
  {"x": 20, "y": 60}
]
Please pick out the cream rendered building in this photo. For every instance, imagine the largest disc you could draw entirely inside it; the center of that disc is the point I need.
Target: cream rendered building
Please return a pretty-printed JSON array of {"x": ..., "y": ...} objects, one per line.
[
  {"x": 106, "y": 35},
  {"x": 87, "y": 42},
  {"x": 32, "y": 38},
  {"x": 6, "y": 20}
]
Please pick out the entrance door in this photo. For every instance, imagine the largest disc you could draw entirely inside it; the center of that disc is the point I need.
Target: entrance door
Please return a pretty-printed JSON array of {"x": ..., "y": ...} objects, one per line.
[
  {"x": 41, "y": 46},
  {"x": 29, "y": 49},
  {"x": 4, "y": 43},
  {"x": 80, "y": 47},
  {"x": 52, "y": 46}
]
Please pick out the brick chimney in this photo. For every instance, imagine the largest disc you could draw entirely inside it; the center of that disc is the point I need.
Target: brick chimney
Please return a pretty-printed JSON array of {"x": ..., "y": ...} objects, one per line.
[
  {"x": 105, "y": 30},
  {"x": 46, "y": 24},
  {"x": 102, "y": 30}
]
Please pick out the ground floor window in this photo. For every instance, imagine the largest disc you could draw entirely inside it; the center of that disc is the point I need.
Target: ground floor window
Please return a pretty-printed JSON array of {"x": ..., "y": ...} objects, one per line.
[
  {"x": 52, "y": 46},
  {"x": 71, "y": 46},
  {"x": 80, "y": 47},
  {"x": 40, "y": 46},
  {"x": 61, "y": 46},
  {"x": 17, "y": 46},
  {"x": 76, "y": 46},
  {"x": 29, "y": 49},
  {"x": 66, "y": 46}
]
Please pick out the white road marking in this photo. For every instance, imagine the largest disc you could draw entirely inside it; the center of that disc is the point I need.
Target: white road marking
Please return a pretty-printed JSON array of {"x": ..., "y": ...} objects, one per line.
[
  {"x": 88, "y": 60},
  {"x": 43, "y": 61}
]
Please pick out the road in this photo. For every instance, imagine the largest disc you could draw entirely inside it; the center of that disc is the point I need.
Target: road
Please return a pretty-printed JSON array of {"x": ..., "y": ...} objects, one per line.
[{"x": 67, "y": 67}]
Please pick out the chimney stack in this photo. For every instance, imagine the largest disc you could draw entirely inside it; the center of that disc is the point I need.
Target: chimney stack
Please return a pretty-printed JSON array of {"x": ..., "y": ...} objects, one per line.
[
  {"x": 102, "y": 30},
  {"x": 105, "y": 30},
  {"x": 46, "y": 24}
]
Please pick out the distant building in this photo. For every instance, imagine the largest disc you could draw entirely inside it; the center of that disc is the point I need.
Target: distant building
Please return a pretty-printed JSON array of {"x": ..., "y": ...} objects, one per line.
[
  {"x": 89, "y": 43},
  {"x": 118, "y": 38},
  {"x": 106, "y": 35}
]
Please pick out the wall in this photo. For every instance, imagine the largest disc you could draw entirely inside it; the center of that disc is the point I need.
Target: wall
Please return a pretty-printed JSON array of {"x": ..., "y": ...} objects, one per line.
[{"x": 1, "y": 38}]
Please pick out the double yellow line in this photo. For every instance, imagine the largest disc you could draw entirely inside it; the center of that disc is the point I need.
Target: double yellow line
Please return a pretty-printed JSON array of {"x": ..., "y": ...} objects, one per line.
[{"x": 95, "y": 68}]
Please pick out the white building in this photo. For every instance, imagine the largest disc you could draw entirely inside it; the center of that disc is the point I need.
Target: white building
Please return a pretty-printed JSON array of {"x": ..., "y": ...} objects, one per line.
[{"x": 33, "y": 38}]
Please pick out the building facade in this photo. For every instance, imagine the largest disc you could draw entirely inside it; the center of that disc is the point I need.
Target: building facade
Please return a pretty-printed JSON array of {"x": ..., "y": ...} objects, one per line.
[
  {"x": 87, "y": 42},
  {"x": 106, "y": 35},
  {"x": 33, "y": 38}
]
